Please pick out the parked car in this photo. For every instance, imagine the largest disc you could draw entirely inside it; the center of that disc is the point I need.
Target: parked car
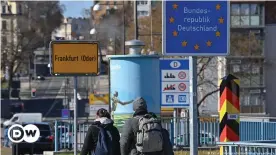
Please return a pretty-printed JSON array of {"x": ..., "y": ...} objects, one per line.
[
  {"x": 44, "y": 143},
  {"x": 40, "y": 77}
]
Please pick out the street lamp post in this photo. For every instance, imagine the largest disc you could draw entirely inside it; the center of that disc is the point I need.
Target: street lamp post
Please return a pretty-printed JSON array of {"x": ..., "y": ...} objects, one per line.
[
  {"x": 135, "y": 20},
  {"x": 124, "y": 35}
]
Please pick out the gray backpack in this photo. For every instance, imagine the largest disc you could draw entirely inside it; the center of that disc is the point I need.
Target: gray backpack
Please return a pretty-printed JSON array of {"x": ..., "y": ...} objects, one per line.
[{"x": 149, "y": 136}]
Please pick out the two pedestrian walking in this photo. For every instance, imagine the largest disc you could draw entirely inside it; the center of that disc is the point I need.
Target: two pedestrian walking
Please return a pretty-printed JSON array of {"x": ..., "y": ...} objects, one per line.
[{"x": 141, "y": 135}]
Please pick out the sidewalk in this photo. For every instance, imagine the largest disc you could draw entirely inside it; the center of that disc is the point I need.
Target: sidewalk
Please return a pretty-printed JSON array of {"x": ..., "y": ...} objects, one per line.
[{"x": 6, "y": 151}]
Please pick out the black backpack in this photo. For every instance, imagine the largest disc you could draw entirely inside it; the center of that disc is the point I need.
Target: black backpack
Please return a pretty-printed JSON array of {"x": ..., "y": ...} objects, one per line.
[
  {"x": 104, "y": 144},
  {"x": 167, "y": 145}
]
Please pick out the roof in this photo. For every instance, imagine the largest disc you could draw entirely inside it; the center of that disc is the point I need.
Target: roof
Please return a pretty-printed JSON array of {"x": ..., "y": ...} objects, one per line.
[{"x": 41, "y": 123}]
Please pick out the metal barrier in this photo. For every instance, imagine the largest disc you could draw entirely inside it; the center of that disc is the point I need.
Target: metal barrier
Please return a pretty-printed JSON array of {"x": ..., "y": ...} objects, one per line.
[
  {"x": 208, "y": 131},
  {"x": 247, "y": 148}
]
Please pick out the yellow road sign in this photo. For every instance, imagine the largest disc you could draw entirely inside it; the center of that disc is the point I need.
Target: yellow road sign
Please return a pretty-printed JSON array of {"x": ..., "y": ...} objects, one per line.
[
  {"x": 98, "y": 99},
  {"x": 166, "y": 109},
  {"x": 74, "y": 57}
]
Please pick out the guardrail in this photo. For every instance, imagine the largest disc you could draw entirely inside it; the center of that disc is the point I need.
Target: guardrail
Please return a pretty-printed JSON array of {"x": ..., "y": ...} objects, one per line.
[
  {"x": 247, "y": 148},
  {"x": 208, "y": 131}
]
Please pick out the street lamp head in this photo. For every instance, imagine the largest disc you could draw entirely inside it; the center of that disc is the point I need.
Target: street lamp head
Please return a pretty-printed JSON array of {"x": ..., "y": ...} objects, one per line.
[
  {"x": 93, "y": 31},
  {"x": 97, "y": 7}
]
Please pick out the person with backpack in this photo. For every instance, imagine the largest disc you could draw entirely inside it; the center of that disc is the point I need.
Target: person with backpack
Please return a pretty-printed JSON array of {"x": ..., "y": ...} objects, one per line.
[
  {"x": 143, "y": 134},
  {"x": 6, "y": 137},
  {"x": 102, "y": 137}
]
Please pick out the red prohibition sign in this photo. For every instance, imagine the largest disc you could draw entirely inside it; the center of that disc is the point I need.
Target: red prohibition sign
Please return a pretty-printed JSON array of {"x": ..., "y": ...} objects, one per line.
[
  {"x": 182, "y": 75},
  {"x": 182, "y": 87}
]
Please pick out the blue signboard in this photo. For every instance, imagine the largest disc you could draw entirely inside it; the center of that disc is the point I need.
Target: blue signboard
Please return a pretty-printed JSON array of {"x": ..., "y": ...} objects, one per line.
[
  {"x": 65, "y": 113},
  {"x": 196, "y": 28},
  {"x": 174, "y": 83}
]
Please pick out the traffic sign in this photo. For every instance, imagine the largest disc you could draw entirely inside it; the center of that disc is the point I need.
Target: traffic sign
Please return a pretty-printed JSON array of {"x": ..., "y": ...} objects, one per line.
[
  {"x": 182, "y": 75},
  {"x": 196, "y": 28},
  {"x": 65, "y": 113},
  {"x": 74, "y": 57},
  {"x": 182, "y": 86},
  {"x": 174, "y": 83},
  {"x": 98, "y": 99},
  {"x": 169, "y": 98}
]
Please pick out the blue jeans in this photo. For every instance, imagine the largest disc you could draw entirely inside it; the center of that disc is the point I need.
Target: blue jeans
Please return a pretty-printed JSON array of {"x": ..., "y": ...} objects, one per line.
[{"x": 6, "y": 141}]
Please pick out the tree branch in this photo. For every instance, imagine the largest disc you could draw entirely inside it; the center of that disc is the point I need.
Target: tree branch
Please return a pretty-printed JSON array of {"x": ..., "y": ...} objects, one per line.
[
  {"x": 203, "y": 67},
  {"x": 206, "y": 82},
  {"x": 207, "y": 95}
]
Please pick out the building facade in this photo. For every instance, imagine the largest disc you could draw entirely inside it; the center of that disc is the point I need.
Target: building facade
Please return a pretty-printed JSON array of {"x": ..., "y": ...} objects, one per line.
[
  {"x": 252, "y": 57},
  {"x": 270, "y": 57},
  {"x": 73, "y": 29},
  {"x": 64, "y": 32},
  {"x": 246, "y": 60},
  {"x": 11, "y": 12},
  {"x": 144, "y": 8}
]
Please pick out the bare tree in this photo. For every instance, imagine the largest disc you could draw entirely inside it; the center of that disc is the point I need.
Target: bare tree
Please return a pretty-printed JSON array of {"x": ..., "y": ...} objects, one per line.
[
  {"x": 86, "y": 13},
  {"x": 29, "y": 31}
]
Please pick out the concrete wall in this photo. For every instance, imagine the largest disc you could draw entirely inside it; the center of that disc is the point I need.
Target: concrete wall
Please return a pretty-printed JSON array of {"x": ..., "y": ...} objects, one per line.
[{"x": 270, "y": 69}]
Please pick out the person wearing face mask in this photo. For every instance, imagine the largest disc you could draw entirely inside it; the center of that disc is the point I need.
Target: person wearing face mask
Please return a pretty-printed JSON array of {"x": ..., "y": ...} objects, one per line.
[{"x": 102, "y": 136}]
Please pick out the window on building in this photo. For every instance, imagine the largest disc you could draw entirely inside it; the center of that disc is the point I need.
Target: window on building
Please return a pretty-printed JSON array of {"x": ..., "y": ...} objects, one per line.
[
  {"x": 10, "y": 9},
  {"x": 249, "y": 71},
  {"x": 144, "y": 13},
  {"x": 4, "y": 40},
  {"x": 142, "y": 2},
  {"x": 19, "y": 9},
  {"x": 4, "y": 25},
  {"x": 146, "y": 2},
  {"x": 247, "y": 42},
  {"x": 4, "y": 9},
  {"x": 251, "y": 97},
  {"x": 246, "y": 14}
]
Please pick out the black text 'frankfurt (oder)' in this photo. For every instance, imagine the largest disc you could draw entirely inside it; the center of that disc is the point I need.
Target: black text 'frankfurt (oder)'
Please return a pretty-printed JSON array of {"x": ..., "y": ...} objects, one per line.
[{"x": 74, "y": 58}]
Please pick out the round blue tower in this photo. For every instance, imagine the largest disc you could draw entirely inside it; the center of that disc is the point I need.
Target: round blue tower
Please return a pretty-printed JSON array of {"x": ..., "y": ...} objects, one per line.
[{"x": 133, "y": 76}]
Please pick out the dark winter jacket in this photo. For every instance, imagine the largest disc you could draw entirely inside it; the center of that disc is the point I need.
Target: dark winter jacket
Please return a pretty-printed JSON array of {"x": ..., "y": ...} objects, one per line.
[
  {"x": 91, "y": 138},
  {"x": 129, "y": 132},
  {"x": 128, "y": 135}
]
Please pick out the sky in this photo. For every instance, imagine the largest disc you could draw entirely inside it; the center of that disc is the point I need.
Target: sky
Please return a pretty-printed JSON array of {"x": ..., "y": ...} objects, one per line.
[{"x": 75, "y": 8}]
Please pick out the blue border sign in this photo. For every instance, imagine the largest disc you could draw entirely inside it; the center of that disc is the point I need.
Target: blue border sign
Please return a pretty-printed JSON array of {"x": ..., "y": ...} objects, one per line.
[
  {"x": 196, "y": 28},
  {"x": 174, "y": 83},
  {"x": 65, "y": 113}
]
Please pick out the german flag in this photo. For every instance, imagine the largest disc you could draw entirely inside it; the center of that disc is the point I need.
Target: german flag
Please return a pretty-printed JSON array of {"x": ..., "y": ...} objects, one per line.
[{"x": 229, "y": 109}]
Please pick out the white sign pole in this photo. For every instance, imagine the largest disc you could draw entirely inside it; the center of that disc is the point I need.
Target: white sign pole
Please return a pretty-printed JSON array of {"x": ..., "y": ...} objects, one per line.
[
  {"x": 193, "y": 107},
  {"x": 75, "y": 115}
]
